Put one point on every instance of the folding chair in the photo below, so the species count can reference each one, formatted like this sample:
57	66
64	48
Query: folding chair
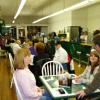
19	95
12	67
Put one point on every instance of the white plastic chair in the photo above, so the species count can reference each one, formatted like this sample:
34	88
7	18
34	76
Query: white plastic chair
11	62
12	67
52	68
19	95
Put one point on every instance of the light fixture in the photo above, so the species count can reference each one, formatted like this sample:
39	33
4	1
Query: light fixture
71	8
7	26
13	21
19	9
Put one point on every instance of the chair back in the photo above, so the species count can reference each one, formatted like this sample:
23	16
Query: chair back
19	95
11	62
38	69
41	62
52	68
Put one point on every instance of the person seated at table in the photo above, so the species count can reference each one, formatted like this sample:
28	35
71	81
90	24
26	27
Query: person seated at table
40	48
70	64
61	55
88	75
95	84
25	79
32	47
38	63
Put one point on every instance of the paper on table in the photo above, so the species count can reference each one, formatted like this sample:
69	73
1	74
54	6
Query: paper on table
74	82
97	90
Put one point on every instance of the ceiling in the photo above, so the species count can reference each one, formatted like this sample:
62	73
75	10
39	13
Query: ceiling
33	9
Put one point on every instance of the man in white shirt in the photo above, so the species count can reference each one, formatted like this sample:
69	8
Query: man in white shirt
61	55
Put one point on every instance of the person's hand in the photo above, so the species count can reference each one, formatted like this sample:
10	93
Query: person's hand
39	91
80	94
77	79
42	90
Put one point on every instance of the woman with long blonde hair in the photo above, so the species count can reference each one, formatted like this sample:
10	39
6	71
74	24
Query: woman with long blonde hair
25	79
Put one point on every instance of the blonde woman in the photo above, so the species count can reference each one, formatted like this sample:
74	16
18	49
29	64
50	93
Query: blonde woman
25	79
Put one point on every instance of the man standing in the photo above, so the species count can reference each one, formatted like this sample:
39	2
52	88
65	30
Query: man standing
95	84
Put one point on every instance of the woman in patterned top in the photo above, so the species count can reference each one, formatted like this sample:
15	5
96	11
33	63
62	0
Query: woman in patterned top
88	75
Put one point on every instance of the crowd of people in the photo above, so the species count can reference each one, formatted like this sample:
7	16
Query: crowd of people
95	83
28	75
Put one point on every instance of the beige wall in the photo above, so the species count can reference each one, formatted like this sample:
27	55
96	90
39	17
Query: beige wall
79	18
59	22
88	18
94	17
44	29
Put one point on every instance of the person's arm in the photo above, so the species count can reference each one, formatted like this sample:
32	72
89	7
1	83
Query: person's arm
85	72
82	78
28	87
94	84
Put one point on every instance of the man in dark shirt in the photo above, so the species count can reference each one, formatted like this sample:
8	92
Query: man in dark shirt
95	84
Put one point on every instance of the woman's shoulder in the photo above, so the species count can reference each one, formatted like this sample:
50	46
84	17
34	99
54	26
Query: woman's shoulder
98	67
20	71
88	67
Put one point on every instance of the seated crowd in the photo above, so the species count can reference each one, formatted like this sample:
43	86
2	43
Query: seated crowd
28	69
27	73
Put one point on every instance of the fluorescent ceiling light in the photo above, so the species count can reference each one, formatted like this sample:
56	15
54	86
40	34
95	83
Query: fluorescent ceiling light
13	21
71	8
20	8
7	26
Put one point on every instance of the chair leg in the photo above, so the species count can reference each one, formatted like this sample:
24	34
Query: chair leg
79	56
12	81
